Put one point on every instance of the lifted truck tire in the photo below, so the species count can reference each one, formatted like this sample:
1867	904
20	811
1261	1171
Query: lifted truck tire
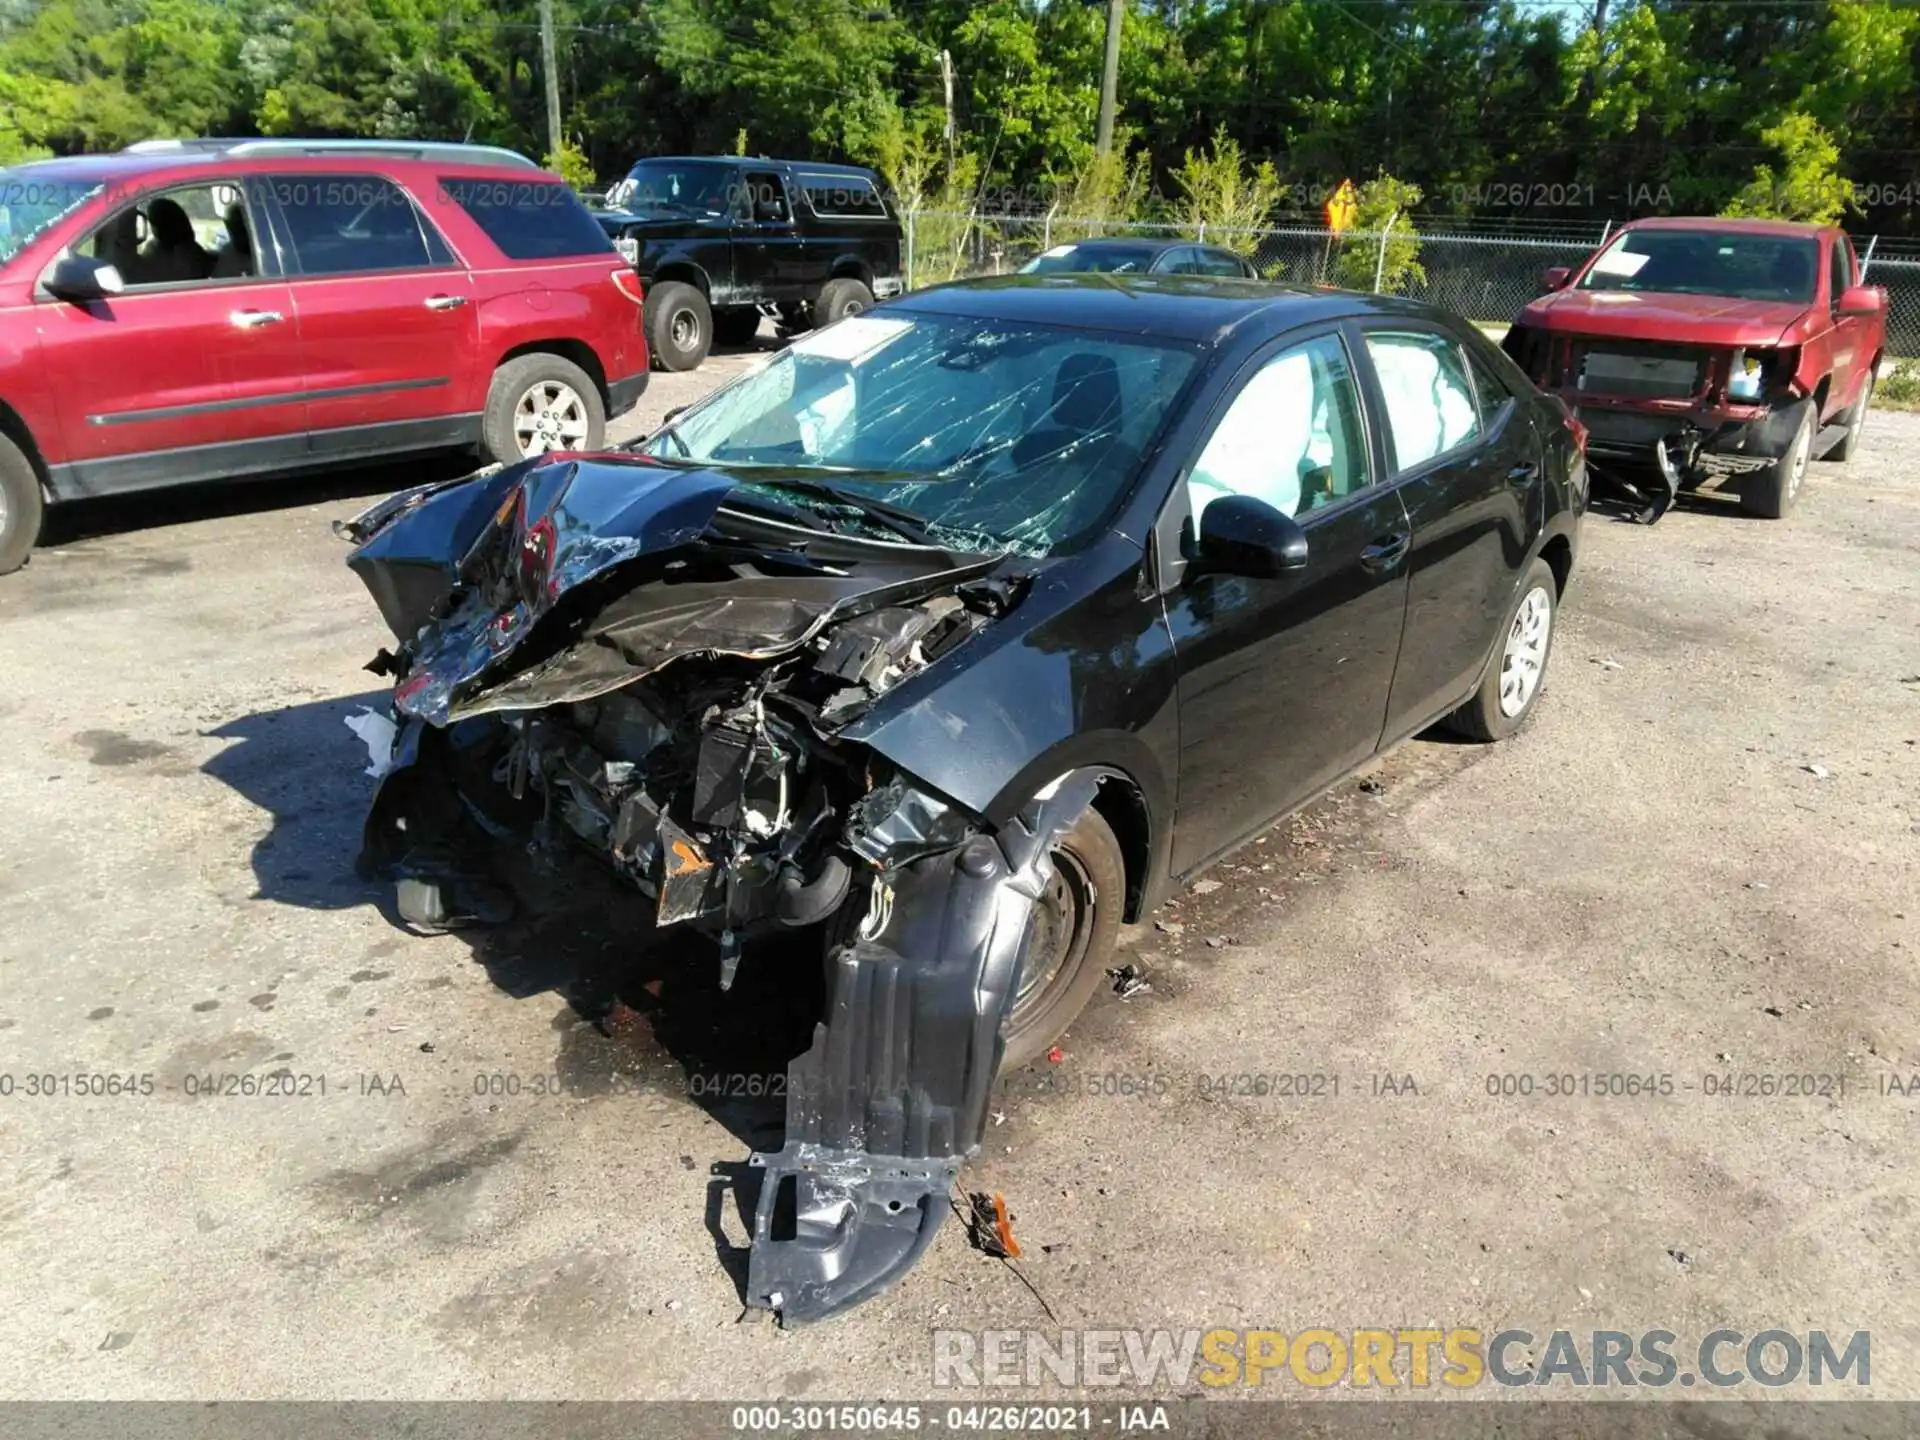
1856	422
1525	643
1770	493
840	298
736	325
20	507
532	379
679	325
1077	922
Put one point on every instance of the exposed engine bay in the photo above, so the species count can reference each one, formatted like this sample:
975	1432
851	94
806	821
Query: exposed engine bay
634	661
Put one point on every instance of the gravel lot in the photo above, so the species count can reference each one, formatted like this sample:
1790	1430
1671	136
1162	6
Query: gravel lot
1700	859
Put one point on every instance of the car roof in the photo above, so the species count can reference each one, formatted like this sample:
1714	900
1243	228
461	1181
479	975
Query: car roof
129	165
1197	308
822	167
1726	224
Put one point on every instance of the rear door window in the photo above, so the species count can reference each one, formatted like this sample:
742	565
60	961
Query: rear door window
1429	399
348	224
529	219
1218	262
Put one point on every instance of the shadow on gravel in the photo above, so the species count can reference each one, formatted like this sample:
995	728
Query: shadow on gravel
643	1009
217	499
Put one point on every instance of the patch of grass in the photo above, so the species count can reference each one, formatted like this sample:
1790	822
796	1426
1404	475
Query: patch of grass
1899	388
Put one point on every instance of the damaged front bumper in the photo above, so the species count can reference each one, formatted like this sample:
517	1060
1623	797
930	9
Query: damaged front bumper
892	1095
1676	446
609	662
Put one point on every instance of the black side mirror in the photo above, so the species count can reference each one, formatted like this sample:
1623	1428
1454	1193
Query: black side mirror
1240	535
82	278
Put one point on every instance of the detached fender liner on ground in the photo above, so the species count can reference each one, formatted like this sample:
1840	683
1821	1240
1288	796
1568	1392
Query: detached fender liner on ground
892	1095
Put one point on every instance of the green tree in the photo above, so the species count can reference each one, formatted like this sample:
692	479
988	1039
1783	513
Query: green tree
1222	196
1386	208
1808	186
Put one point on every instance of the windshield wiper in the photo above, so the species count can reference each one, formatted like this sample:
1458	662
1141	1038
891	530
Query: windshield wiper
897	518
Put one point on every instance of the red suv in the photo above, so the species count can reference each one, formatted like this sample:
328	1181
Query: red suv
1716	353
191	310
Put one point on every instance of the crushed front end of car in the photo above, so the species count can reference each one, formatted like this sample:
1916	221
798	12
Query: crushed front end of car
625	657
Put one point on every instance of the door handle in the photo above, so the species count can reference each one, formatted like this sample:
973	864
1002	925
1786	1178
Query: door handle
254	319
1386	552
445	302
1523	473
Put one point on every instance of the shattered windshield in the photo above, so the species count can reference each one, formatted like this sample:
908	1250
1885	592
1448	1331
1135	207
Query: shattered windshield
29	203
1703	262
994	434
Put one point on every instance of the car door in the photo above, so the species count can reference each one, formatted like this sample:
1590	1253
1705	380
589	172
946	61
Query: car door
1849	337
193	370
388	328
1470	474
768	251
1283	682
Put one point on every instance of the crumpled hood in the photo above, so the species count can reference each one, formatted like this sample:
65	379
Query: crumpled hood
464	571
1673	319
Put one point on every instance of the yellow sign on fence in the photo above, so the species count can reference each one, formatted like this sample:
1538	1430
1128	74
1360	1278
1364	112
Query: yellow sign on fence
1343	207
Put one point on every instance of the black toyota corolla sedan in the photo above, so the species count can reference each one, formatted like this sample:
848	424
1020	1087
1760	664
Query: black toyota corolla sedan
960	632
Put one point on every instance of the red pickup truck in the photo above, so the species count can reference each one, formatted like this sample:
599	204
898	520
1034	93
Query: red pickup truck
194	310
1710	354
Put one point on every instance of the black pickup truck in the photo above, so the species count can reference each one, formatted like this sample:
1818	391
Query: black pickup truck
720	240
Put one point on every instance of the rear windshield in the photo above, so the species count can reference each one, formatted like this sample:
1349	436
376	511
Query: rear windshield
1069	259
529	219
1706	262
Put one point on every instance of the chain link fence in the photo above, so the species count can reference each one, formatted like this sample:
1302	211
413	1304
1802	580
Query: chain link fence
1486	277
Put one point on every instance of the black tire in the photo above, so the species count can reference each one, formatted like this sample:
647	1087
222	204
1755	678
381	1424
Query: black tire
20	509
1485	716
679	326
525	381
736	325
1770	493
1079	919
1856	422
840	298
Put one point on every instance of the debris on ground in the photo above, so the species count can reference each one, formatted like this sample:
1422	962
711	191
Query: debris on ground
1606	662
988	1228
1205	887
1214	942
1681	1258
1373	786
1056	1055
377	733
1817	770
1129	980
1170	927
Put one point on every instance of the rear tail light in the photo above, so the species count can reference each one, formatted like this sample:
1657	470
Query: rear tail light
628	284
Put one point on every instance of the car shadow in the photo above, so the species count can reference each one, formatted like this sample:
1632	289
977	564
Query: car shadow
642	1007
75	520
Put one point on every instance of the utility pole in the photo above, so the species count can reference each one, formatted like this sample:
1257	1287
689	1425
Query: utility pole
946	79
1109	78
548	64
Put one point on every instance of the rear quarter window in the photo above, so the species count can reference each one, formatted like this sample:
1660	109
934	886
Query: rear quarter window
842	197
529	219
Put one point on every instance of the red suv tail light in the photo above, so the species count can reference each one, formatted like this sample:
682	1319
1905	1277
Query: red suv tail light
628	284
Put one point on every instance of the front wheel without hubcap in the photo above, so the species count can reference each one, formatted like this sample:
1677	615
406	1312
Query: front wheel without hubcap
1512	682
1070	940
1770	493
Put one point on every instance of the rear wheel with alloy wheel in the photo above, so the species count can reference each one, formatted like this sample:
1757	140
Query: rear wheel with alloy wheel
542	403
